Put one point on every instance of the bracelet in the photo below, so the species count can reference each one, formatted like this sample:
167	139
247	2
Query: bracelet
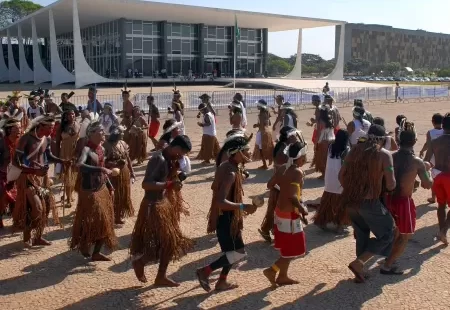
169	184
241	206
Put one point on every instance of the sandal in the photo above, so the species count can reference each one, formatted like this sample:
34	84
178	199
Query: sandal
391	272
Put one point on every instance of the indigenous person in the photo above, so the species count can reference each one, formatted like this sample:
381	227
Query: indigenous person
178	109
367	115
390	143
289	116
335	115
238	98
66	105
34	198
136	136
316	102
34	110
8	191
400	203
432	134
15	110
264	143
50	106
440	149
157	236
81	143
108	118
66	142
326	89
278	124
398	120
223	155
331	209
236	116
153	120
205	98
225	216
288	135
127	105
116	156
325	133
93	105
289	214
368	163
358	127
94	217
210	146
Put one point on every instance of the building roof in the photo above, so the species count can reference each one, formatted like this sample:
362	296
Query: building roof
94	12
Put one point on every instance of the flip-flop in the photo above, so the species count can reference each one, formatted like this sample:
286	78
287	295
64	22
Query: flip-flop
358	277
203	283
391	272
265	236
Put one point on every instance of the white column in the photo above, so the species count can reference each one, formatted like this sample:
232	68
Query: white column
14	74
84	74
4	73
41	73
59	73
26	75
296	72
338	71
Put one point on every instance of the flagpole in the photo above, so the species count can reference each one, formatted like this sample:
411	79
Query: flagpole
235	50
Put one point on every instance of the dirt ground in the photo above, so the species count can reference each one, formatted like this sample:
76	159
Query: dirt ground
56	278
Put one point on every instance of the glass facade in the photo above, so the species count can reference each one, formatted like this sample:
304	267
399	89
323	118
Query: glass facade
124	48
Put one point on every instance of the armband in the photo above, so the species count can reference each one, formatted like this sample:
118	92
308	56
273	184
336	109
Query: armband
241	207
390	168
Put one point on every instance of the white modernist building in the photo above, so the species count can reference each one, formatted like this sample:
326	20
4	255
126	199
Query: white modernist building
103	41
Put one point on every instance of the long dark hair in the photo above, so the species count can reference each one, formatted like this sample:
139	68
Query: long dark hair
325	116
282	140
236	142
340	144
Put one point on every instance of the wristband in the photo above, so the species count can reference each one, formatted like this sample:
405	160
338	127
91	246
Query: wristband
241	206
169	184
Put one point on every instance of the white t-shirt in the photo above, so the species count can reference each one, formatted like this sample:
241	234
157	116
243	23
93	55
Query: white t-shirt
182	128
332	184
107	121
211	129
34	112
360	130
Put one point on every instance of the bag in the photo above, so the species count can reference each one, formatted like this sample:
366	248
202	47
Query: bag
13	172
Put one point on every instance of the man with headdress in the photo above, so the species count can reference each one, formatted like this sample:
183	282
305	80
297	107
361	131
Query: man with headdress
238	98
34	110
66	142
367	115
205	98
335	115
287	136
264	143
153	120
108	118
365	169
157	236
177	109
30	168
94	217
289	213
15	110
93	105
407	167
440	148
225	217
359	126
136	136
236	115
278	124
11	133
288	114
66	105
210	146
127	106
117	156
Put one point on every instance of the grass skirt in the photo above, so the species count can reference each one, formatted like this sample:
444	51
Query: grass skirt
320	156
331	210
123	207
157	233
269	218
209	148
267	147
94	220
137	141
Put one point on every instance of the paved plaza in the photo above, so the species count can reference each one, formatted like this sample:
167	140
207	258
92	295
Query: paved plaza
56	278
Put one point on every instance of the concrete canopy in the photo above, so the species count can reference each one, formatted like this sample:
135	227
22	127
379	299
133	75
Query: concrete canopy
93	12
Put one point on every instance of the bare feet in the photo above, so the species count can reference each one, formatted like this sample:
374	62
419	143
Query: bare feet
223	285
286	281
41	241
99	257
166	282
358	270
431	200
138	267
270	274
442	238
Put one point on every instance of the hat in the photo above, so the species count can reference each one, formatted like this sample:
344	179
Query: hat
204	96
262	104
287	106
15	95
358	111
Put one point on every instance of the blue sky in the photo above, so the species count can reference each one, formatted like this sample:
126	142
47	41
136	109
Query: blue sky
431	15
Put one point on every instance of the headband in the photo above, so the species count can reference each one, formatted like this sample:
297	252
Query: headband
293	132
237	149
301	152
234	136
175	125
260	105
286	107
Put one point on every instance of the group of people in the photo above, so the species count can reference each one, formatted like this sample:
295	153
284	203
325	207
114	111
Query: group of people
94	157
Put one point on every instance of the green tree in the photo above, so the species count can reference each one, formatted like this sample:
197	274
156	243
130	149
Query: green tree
278	66
443	73
14	10
392	68
357	65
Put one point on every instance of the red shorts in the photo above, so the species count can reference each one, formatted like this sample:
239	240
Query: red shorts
153	129
403	211
441	187
289	235
55	130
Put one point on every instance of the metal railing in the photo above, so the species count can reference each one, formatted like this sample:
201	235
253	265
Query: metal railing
299	98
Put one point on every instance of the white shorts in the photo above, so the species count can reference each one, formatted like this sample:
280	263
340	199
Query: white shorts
258	140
